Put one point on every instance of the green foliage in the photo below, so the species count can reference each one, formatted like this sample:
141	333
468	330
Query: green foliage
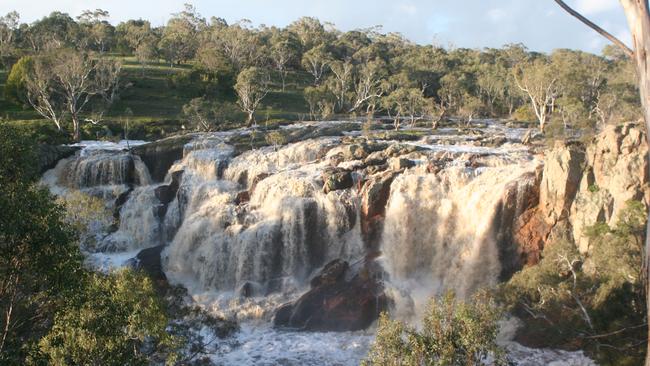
115	320
15	89
453	333
87	215
588	300
275	138
39	261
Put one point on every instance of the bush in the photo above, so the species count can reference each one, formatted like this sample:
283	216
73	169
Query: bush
453	333
201	114
116	320
525	113
15	89
592	301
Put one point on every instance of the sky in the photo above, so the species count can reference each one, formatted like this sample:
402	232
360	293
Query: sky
539	24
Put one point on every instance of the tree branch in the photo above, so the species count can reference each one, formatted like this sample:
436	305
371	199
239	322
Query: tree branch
628	51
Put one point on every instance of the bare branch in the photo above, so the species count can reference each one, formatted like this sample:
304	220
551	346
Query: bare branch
628	51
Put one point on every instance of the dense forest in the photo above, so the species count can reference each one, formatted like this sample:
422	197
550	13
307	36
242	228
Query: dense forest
65	79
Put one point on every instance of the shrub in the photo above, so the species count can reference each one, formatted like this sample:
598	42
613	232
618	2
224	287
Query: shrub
592	301
15	89
453	333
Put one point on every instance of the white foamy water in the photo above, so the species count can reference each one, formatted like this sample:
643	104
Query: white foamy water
262	220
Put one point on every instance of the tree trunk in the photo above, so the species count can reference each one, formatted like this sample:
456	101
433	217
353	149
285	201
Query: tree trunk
76	127
638	19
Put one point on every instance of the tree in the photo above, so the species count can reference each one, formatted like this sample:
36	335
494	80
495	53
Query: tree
65	82
539	81
251	87
315	62
96	29
40	263
8	27
638	16
321	101
369	85
453	333
204	115
116	320
15	89
341	82
179	41
408	102
284	50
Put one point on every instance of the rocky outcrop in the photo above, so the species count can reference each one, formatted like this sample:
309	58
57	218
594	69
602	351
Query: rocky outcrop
341	298
159	156
336	179
563	168
167	193
49	155
374	197
582	186
616	171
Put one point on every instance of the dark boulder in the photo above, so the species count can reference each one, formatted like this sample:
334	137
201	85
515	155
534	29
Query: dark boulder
160	155
374	197
148	260
49	155
341	298
167	193
336	179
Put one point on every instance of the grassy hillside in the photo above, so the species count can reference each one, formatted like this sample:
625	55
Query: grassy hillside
152	100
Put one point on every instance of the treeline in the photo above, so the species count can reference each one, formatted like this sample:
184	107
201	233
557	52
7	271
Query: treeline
359	72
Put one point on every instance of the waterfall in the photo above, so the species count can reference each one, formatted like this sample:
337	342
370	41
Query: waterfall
275	241
440	233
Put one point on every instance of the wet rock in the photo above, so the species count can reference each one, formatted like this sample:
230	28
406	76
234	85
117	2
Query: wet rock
167	193
341	298
160	155
148	260
400	163
374	197
336	179
49	155
395	150
242	197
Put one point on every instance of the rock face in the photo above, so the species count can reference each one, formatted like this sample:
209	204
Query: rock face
160	155
374	196
336	179
341	298
561	177
167	193
581	187
49	155
616	171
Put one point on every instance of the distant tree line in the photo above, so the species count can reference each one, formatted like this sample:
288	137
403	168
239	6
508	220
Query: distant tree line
359	72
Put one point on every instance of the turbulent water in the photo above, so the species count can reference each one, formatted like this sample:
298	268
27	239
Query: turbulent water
260	222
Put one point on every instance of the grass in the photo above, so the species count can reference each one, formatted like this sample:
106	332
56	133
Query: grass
153	98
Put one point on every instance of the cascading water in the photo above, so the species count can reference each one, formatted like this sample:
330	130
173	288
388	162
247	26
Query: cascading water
261	223
288	229
440	231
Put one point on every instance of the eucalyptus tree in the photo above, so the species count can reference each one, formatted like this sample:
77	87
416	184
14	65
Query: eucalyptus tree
638	16
64	83
285	48
370	85
538	80
8	28
251	87
179	40
340	82
315	62
96	29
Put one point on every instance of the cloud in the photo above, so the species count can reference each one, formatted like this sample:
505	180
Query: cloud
408	8
497	15
590	7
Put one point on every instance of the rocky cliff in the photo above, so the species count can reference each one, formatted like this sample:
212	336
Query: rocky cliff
582	185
